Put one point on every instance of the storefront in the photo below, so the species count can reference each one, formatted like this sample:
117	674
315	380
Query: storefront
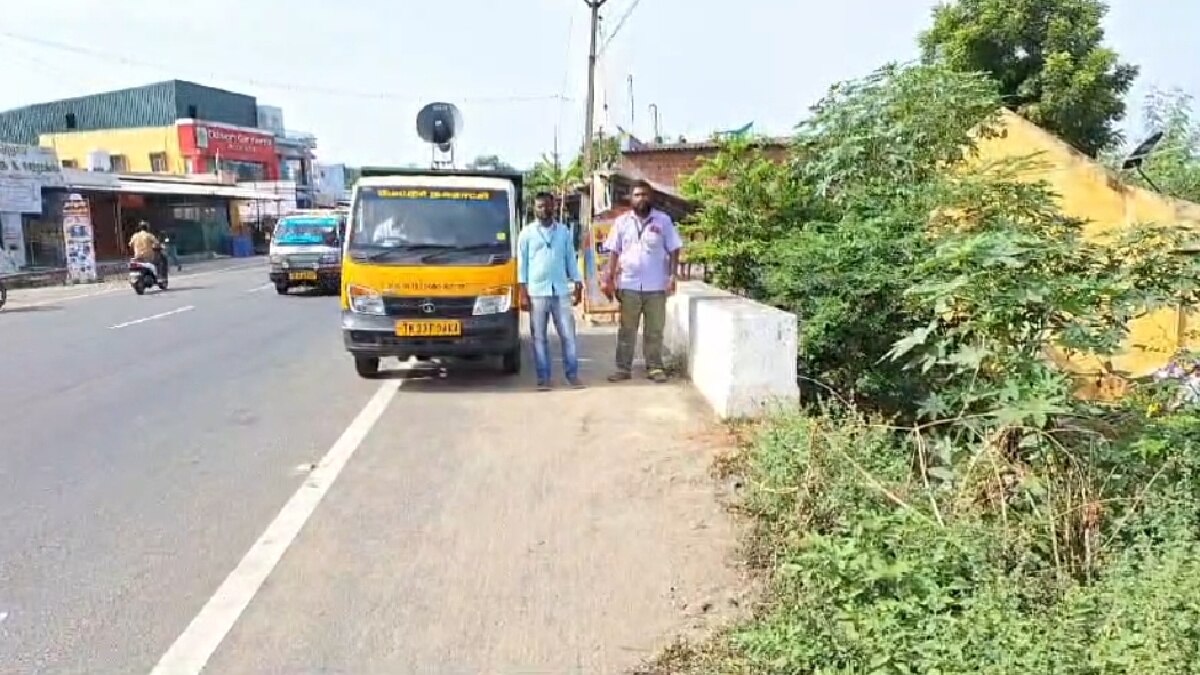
24	172
248	154
200	218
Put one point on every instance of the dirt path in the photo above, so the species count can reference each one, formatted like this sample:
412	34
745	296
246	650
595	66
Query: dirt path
487	528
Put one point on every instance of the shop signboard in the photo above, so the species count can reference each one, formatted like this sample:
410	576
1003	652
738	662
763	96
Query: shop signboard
227	142
24	171
79	239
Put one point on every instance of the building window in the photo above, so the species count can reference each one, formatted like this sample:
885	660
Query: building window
158	162
119	164
72	123
70	164
193	112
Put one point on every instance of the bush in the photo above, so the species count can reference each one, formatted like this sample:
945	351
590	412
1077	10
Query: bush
875	571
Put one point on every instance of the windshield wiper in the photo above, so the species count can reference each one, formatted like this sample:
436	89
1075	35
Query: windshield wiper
477	248
384	252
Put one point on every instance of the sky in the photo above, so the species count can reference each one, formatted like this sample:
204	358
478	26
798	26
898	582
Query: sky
355	72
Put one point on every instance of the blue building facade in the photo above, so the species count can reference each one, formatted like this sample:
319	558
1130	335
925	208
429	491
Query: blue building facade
152	105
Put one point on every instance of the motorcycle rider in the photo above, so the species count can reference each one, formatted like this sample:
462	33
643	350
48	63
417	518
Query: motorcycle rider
147	248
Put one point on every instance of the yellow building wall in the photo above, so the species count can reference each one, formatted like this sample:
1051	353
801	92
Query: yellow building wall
135	144
1090	192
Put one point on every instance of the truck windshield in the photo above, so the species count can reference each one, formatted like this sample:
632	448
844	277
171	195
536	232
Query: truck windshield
307	232
407	217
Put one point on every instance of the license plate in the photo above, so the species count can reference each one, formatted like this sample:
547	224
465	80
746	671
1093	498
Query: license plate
428	328
302	276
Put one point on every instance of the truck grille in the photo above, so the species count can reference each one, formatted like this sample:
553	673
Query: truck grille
307	260
415	307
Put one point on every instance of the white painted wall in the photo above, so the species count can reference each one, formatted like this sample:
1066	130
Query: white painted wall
739	354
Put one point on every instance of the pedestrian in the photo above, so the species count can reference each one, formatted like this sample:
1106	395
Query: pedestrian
550	286
644	248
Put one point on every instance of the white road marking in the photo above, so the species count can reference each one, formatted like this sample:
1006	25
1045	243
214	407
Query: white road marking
125	288
259	288
180	310
196	645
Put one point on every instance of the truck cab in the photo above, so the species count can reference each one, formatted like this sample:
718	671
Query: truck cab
429	267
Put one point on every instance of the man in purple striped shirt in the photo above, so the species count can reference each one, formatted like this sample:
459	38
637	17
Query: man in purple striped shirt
644	246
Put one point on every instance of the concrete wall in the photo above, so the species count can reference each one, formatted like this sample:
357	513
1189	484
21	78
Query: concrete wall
739	354
1089	191
135	144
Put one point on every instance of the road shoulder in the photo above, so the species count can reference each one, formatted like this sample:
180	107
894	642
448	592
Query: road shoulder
484	527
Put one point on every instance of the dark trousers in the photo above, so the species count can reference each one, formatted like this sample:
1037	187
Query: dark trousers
636	306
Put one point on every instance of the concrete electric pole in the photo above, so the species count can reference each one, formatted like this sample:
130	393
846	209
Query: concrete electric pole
586	202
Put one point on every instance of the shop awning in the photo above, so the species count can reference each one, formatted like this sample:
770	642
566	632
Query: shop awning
180	189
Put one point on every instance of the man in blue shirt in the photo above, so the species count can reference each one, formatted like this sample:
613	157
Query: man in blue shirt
548	274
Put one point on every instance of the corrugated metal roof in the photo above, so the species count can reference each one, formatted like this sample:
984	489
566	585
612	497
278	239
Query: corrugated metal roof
116	184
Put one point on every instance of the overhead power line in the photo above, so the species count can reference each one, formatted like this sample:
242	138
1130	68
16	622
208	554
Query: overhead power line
269	84
620	24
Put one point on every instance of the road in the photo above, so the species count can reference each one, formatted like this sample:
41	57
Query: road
196	481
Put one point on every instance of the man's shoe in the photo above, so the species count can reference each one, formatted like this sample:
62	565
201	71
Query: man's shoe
543	385
620	376
658	376
576	383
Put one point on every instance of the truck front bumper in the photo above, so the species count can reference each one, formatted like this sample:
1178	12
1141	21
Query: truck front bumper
486	335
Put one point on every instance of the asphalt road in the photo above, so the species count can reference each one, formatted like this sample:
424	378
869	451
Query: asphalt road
164	463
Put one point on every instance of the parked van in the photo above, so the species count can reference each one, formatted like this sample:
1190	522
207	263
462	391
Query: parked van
306	250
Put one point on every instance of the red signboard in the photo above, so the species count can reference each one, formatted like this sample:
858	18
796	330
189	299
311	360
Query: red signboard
229	143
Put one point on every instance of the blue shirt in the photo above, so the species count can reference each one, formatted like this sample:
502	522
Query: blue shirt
546	261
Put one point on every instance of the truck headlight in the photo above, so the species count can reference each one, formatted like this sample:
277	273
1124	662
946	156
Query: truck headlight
493	301
365	300
276	259
331	258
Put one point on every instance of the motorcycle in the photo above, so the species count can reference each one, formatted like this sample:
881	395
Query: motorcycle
143	275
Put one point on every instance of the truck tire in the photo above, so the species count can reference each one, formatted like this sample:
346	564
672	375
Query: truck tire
367	366
281	288
511	362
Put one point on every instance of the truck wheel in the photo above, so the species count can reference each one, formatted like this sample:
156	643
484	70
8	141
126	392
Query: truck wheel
366	366
281	288
511	362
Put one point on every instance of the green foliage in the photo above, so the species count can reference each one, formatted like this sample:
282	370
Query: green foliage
1048	58
980	519
1174	165
877	568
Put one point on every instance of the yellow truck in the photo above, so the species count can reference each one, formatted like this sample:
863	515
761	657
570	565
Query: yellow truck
429	267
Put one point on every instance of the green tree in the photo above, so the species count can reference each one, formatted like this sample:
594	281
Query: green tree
1174	165
554	177
1049	58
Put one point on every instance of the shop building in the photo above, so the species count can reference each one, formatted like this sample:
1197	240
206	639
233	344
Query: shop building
174	127
25	172
140	150
247	153
154	105
199	214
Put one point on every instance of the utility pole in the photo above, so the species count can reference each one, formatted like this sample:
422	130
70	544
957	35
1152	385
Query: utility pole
632	109
585	214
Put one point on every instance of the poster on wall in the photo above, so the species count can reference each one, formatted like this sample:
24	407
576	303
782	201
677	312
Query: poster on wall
595	268
79	240
12	238
20	195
